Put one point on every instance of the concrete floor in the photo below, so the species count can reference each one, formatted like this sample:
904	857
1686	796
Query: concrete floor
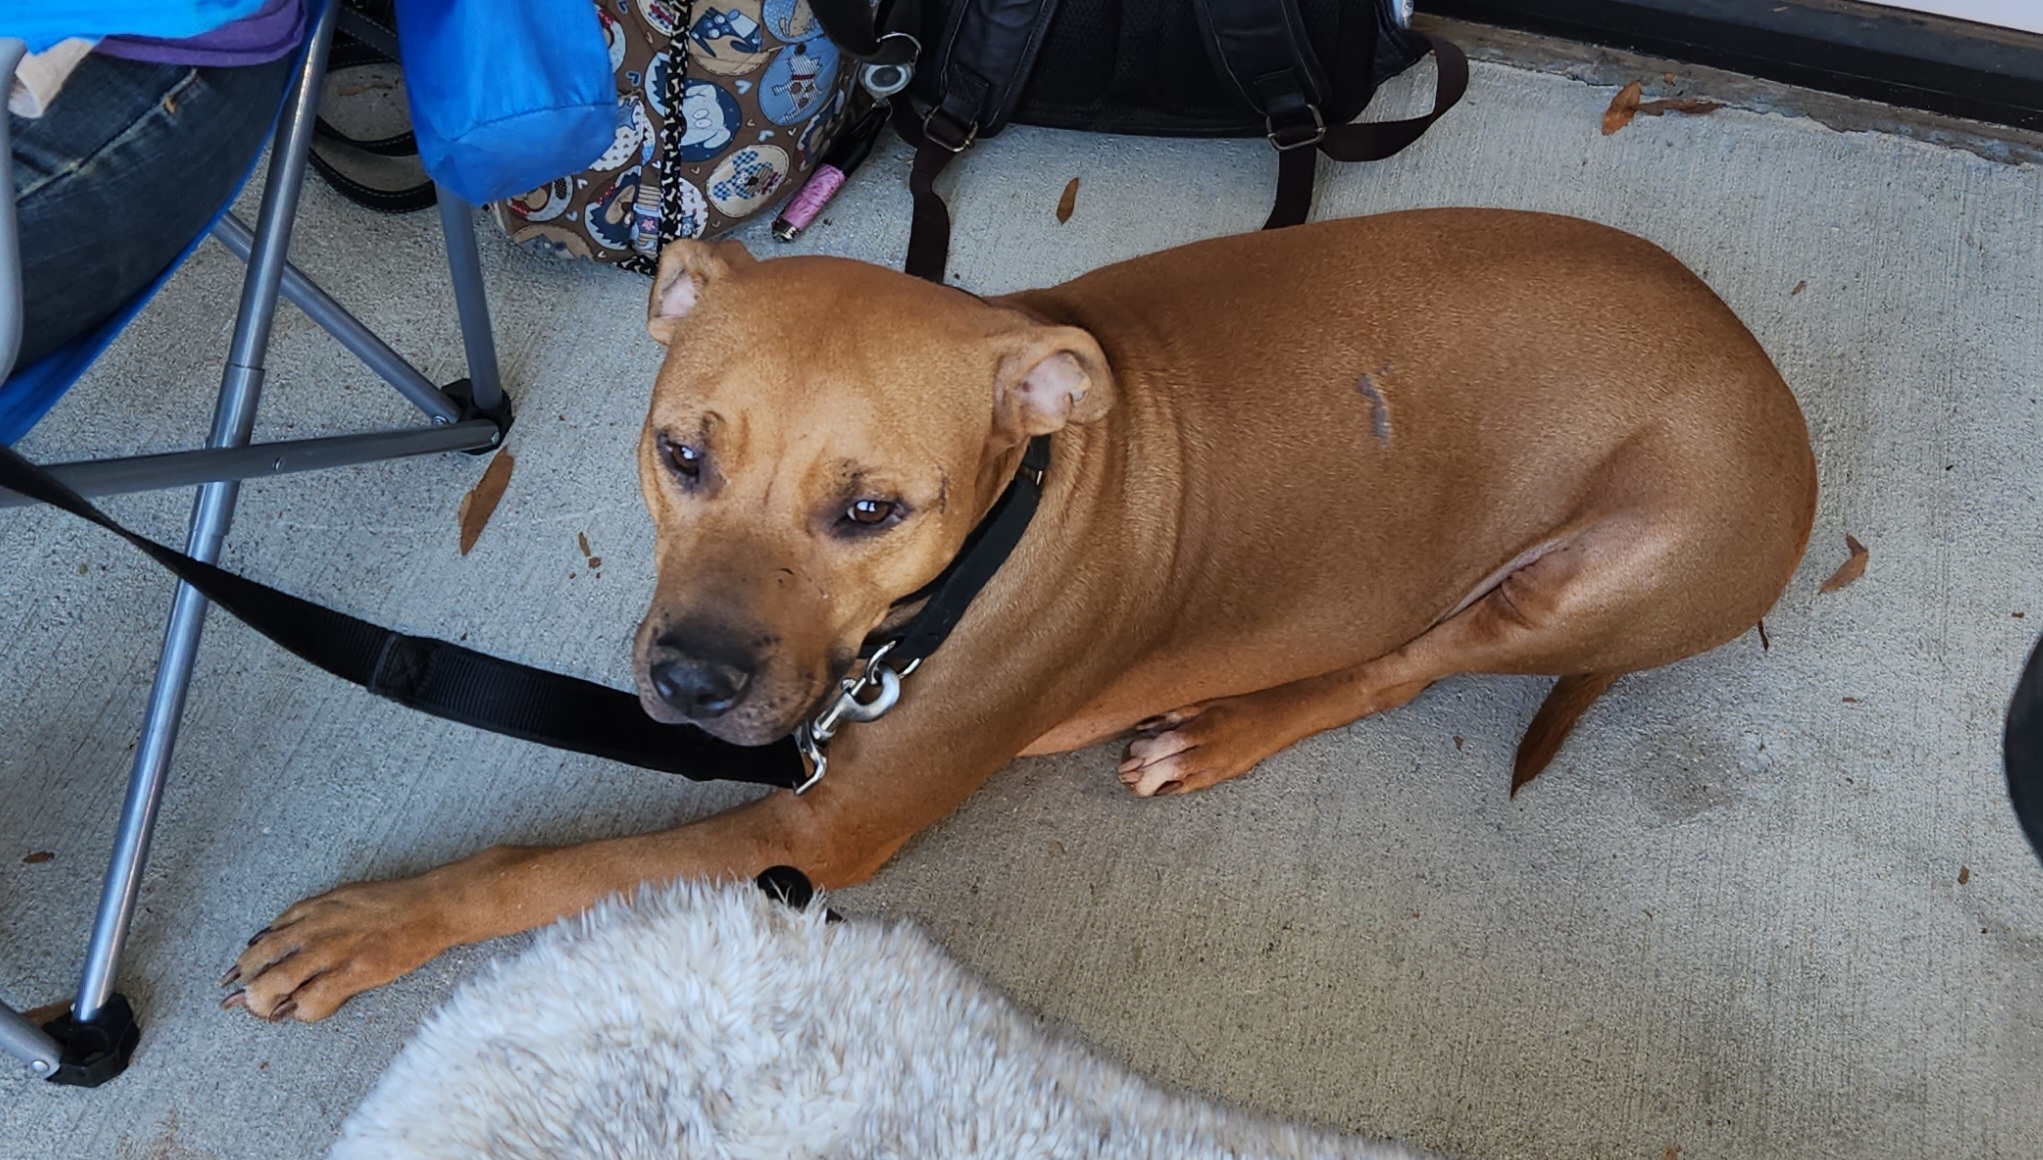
1767	903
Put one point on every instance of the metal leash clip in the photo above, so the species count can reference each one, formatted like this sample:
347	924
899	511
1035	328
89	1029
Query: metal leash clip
812	736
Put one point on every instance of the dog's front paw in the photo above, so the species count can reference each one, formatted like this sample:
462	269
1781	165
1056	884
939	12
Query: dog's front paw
1195	747
325	950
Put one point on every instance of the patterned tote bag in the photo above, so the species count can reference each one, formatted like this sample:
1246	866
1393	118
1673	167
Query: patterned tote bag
723	107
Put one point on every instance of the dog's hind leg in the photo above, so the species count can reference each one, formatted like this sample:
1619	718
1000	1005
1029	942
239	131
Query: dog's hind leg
1606	599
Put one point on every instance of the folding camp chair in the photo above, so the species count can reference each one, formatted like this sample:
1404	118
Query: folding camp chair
91	1043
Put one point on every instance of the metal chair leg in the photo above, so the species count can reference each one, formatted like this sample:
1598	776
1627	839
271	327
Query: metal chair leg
233	420
350	331
27	1042
457	221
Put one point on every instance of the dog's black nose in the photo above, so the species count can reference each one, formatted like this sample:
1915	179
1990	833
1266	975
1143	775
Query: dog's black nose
701	689
700	671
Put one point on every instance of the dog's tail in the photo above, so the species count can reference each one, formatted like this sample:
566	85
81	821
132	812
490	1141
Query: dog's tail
1550	726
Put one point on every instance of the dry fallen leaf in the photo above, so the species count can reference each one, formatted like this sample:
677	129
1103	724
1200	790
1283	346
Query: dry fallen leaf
1799	287
1850	701
1457	743
1853	567
1964	874
1673	1152
1068	202
1692	107
1623	107
480	503
582	539
38	858
1765	645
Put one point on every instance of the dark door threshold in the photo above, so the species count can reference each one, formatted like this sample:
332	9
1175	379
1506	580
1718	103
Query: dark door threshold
1953	67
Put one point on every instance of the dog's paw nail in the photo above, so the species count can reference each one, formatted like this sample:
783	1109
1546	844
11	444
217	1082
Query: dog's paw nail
1150	723
283	1010
257	936
232	976
237	1001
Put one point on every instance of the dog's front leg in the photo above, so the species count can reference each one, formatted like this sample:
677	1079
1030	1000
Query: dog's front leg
324	950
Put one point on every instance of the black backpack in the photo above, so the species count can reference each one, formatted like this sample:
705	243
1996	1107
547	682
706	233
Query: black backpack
1294	71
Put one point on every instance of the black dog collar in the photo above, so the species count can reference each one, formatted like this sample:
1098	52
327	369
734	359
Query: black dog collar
982	554
877	688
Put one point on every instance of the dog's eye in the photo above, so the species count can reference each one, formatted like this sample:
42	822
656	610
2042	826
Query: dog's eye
870	512
685	460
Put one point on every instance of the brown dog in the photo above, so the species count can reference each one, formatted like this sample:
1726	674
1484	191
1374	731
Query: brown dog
1296	478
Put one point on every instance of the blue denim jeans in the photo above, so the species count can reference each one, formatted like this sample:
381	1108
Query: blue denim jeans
116	179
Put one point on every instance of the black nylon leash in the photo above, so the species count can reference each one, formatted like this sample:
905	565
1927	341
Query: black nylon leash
459	684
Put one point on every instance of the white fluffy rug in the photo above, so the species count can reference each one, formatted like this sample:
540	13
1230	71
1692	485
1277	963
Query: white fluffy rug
713	1022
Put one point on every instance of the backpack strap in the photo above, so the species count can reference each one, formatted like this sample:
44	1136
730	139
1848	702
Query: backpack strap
1365	140
1262	46
988	50
982	63
1376	140
929	229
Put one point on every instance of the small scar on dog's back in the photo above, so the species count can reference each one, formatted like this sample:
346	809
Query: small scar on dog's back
1371	388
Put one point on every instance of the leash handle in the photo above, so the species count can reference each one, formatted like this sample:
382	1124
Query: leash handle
439	677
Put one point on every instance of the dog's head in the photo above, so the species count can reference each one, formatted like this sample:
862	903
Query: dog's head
823	436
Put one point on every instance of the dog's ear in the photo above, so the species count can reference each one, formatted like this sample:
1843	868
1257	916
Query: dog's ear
1052	376
687	268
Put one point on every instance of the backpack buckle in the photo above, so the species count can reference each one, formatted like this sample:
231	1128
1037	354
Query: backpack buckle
946	133
1295	135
